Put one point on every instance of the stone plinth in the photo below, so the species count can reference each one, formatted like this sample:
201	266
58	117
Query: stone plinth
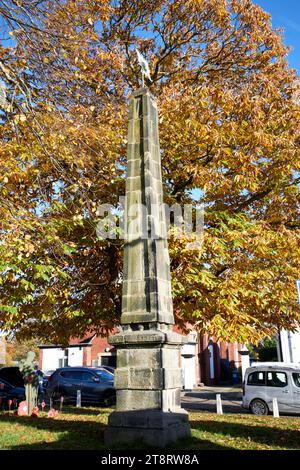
148	382
153	427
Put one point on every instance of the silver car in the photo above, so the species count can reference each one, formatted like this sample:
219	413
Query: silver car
265	381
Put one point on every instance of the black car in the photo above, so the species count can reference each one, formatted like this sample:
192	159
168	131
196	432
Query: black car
9	392
12	375
95	384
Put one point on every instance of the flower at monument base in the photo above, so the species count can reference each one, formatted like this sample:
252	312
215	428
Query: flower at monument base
35	412
22	409
52	413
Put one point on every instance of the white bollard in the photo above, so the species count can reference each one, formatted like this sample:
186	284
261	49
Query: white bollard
275	408
219	404
78	399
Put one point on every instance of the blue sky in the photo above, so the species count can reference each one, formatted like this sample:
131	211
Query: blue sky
286	15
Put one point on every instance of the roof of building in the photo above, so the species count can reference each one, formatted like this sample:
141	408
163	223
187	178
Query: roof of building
81	341
85	341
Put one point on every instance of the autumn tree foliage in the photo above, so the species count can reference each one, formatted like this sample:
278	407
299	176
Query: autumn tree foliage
17	351
229	127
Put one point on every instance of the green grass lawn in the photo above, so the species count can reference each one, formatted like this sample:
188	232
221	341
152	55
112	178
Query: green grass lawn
84	428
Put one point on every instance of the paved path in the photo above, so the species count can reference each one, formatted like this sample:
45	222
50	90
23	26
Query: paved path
204	399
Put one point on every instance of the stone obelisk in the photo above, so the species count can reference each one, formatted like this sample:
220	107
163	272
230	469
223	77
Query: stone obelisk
148	374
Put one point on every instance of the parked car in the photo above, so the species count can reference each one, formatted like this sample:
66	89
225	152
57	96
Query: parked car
266	381
9	392
46	375
109	368
95	384
12	375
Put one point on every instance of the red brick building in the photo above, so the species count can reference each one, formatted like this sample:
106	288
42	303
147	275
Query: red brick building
203	359
216	360
92	350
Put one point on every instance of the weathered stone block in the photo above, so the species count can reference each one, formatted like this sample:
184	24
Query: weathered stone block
153	428
134	162
116	339
161	420
141	316
172	378
141	337
166	317
139	378
134	184
135	303
146	106
154	419
142	357
170	358
171	400
138	400
146	128
134	287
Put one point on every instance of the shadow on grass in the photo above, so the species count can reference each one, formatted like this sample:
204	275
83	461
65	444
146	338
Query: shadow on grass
89	434
264	434
206	401
212	396
86	435
69	434
234	408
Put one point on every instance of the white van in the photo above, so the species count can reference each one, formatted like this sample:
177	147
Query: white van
265	381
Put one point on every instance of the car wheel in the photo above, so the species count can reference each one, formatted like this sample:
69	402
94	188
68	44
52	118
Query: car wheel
259	407
55	395
109	399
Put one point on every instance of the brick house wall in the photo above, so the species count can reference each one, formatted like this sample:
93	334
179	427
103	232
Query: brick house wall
212	363
216	369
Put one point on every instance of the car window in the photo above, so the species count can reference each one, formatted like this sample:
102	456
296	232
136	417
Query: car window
71	374
256	378
87	376
296	378
4	385
276	379
105	376
12	375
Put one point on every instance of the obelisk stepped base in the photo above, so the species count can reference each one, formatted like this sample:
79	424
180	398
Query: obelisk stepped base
148	383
